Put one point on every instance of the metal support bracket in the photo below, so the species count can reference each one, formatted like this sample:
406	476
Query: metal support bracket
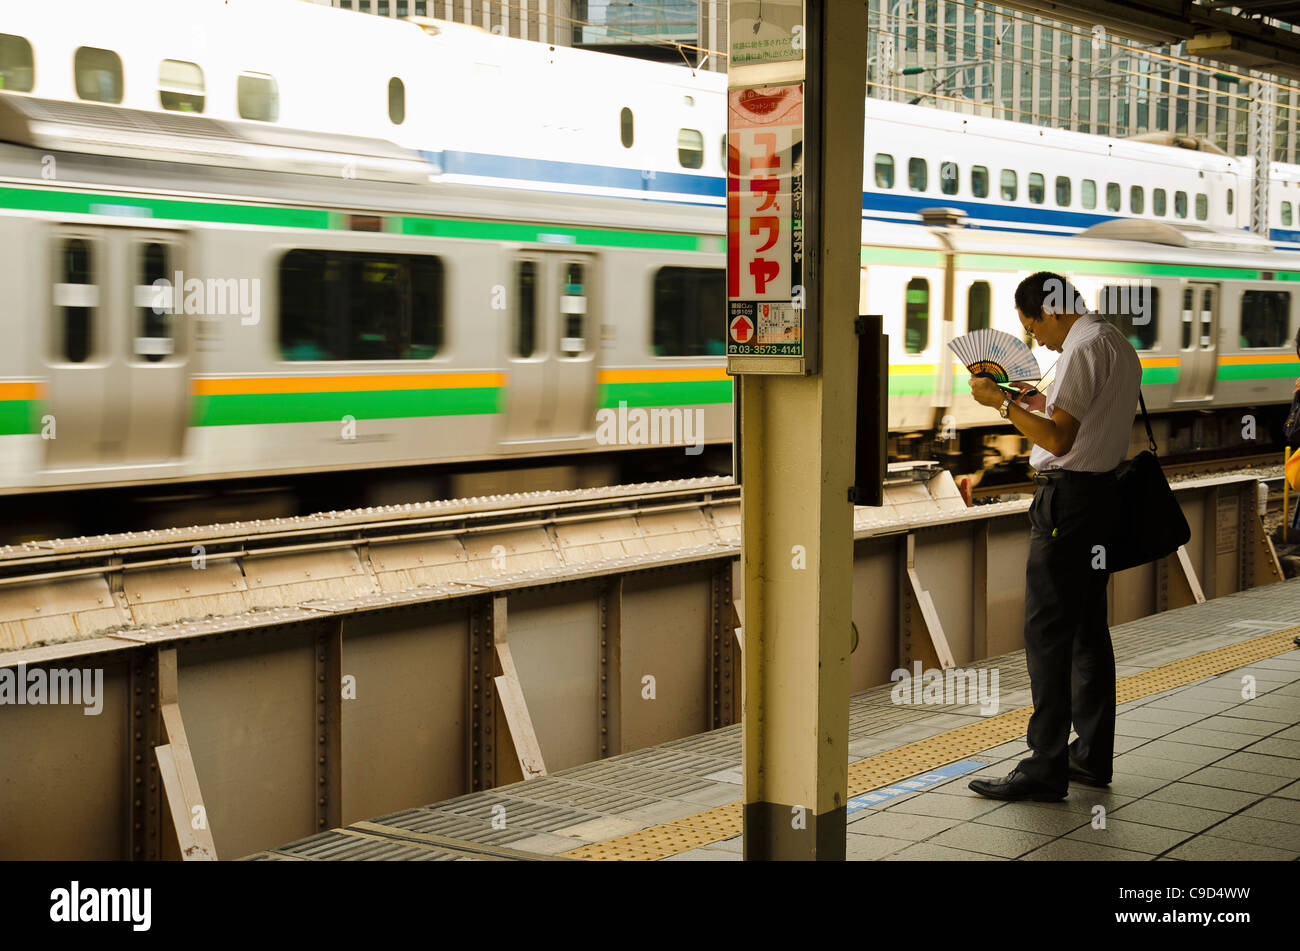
920	598
176	769
511	695
1189	575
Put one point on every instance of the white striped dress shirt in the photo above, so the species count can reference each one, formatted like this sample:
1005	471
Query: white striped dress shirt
1097	379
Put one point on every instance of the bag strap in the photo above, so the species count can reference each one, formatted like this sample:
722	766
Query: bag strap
1151	439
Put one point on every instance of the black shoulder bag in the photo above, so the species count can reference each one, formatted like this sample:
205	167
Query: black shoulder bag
1150	522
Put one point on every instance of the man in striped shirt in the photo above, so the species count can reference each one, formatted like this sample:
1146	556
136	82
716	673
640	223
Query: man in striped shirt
1079	439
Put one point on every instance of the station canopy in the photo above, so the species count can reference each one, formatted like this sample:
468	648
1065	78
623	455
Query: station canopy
1246	34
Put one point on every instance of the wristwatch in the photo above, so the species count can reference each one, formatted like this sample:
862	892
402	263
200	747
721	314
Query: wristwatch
1006	402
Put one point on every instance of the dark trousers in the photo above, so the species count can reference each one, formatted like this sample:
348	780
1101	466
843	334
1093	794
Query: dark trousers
1067	641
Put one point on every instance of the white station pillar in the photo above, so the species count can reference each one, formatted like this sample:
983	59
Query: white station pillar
797	81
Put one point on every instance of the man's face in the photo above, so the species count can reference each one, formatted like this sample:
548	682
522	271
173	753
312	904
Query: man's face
1047	330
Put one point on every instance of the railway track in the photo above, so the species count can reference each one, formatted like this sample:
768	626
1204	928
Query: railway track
67	557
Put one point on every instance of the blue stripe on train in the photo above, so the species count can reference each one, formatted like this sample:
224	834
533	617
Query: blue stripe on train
573	173
991	215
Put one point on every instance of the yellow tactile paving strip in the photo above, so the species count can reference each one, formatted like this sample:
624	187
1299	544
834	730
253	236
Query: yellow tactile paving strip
725	822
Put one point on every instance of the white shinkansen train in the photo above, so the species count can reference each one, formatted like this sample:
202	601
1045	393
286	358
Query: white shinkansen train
487	109
451	257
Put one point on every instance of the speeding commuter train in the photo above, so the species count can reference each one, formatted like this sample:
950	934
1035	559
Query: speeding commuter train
488	109
343	302
313	322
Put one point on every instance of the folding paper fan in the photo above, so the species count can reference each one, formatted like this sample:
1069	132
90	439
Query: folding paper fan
995	354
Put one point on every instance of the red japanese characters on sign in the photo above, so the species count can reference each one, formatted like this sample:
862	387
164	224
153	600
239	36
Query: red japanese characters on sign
765	226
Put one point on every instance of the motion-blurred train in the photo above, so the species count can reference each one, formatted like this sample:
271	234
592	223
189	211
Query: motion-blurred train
377	301
487	109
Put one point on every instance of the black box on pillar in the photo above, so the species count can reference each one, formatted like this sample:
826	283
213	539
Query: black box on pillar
873	412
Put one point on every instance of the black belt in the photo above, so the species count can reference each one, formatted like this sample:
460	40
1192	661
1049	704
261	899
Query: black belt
1072	475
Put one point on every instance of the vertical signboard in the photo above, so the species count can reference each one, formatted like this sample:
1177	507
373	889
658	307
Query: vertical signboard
765	222
767	317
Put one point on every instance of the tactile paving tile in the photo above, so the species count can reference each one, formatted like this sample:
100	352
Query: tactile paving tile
725	821
1199	666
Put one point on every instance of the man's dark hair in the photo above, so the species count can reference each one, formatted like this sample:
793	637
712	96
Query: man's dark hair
1051	289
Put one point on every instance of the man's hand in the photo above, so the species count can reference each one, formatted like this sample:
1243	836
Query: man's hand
1036	403
986	391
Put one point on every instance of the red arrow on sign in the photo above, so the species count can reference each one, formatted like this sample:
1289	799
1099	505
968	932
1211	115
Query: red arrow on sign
740	328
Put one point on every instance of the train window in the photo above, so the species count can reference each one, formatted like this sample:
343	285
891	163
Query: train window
1180	204
1286	213
1202	206
525	341
1158	202
690	148
180	86
1136	199
978	306
1187	319
725	166
627	131
1088	193
1037	188
979	181
259	97
396	101
1265	318
884	170
918	174
1009	185
98	74
1114	196
1207	318
916	319
1229	200
573	311
1064	191
687	302
17	70
360	305
76	296
1134	309
948	177
153	302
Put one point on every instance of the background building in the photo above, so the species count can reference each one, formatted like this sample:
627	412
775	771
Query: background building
951	54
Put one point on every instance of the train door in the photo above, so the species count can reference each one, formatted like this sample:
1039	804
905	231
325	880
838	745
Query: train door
551	358
1198	342
116	355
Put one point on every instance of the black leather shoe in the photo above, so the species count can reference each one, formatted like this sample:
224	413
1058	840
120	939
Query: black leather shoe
1080	775
1016	786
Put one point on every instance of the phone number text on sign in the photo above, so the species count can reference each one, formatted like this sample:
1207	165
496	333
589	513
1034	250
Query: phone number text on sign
765	222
